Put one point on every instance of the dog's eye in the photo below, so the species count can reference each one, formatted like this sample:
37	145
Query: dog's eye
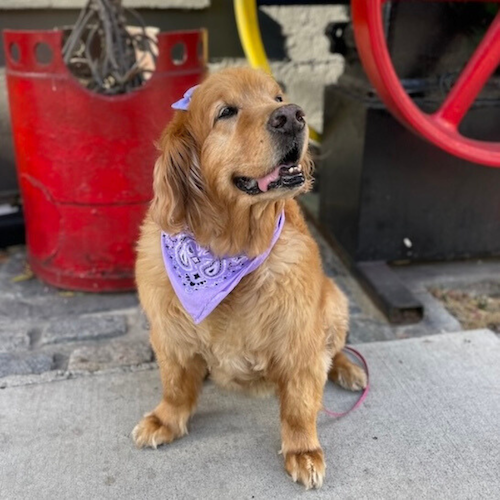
227	112
279	98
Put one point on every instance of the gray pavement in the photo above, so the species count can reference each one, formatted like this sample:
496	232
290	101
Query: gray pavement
77	372
428	430
51	333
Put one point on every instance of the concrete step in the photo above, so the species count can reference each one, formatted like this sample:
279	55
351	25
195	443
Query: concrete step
429	429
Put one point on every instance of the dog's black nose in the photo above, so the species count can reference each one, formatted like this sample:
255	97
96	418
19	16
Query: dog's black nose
288	119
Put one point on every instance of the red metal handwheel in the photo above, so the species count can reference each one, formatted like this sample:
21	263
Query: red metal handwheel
441	127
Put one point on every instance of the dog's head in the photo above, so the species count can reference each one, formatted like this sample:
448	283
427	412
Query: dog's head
238	144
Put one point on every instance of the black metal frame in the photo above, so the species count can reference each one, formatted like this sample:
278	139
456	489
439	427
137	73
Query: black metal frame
389	196
11	229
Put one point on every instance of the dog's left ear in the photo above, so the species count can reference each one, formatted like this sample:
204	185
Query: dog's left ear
179	194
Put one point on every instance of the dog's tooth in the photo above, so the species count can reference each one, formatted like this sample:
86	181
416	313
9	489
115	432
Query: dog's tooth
299	167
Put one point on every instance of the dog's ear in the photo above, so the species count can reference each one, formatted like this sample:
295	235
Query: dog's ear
177	182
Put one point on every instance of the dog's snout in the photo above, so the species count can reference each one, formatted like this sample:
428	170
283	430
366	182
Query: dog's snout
288	119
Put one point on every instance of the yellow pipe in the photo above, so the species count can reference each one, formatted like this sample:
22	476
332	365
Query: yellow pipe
245	12
247	22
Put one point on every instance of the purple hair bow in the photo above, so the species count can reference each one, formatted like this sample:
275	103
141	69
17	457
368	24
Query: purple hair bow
183	104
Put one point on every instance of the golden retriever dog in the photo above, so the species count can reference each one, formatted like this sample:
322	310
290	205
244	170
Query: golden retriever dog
230	165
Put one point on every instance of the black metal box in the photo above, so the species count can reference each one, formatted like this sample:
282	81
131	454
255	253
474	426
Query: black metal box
387	194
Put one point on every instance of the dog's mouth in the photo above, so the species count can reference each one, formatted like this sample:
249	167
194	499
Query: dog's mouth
287	174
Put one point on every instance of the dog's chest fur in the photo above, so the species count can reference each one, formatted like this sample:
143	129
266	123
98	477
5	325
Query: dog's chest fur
256	320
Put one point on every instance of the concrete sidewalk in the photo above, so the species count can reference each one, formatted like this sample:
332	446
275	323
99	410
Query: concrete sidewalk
429	429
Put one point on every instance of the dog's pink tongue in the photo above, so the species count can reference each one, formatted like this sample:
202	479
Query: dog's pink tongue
264	182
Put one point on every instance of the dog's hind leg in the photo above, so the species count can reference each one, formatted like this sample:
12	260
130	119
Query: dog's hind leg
336	313
347	374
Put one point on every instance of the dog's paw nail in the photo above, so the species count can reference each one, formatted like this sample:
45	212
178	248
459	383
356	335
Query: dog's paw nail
151	432
306	467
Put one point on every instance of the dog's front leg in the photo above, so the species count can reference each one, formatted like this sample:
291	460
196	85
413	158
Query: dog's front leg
300	394
182	380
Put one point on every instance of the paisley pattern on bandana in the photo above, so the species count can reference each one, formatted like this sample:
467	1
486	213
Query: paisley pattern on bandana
200	279
195	266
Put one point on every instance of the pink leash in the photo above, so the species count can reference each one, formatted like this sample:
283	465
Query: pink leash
359	402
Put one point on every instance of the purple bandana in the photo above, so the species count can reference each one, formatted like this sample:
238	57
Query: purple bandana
201	280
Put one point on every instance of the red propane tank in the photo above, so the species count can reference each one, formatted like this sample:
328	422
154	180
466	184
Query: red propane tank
85	160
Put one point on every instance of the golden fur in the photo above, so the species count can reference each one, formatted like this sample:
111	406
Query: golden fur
284	323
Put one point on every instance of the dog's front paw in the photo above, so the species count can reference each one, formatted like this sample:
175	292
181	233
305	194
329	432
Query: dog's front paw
307	467
151	432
